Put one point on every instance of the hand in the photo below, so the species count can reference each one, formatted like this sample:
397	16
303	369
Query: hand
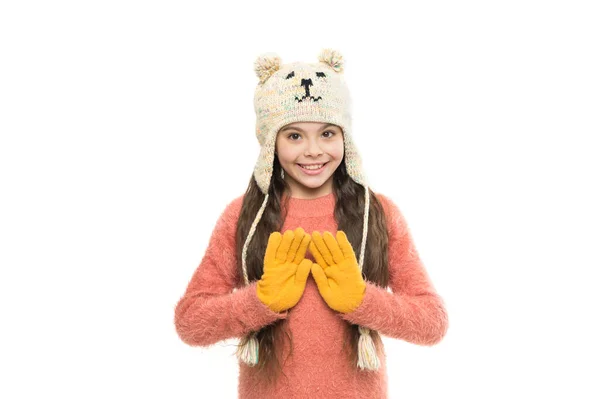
336	272
285	270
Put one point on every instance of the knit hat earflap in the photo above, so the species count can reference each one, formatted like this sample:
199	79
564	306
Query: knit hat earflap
304	92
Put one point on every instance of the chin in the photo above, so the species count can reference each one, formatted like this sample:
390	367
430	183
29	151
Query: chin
313	183
313	186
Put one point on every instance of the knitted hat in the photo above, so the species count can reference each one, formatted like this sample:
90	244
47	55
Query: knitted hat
303	92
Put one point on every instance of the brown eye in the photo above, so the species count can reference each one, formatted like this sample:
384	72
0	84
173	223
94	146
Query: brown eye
330	131
293	134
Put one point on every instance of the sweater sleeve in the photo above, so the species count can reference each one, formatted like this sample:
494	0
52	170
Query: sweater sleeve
210	309
413	312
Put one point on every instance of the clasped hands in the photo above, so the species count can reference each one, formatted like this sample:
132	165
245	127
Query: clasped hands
285	271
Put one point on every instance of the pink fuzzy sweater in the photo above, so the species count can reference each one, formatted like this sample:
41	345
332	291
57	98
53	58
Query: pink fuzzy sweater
211	310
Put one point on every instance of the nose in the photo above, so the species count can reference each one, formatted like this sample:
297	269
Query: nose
306	83
313	148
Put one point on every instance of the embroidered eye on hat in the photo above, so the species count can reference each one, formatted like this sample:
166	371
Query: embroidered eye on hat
303	92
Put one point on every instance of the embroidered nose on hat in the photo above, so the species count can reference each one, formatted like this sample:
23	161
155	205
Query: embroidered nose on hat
306	83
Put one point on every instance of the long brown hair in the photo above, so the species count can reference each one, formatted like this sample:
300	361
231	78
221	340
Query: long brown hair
349	216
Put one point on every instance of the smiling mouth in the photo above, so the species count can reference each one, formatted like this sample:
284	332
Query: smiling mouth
313	166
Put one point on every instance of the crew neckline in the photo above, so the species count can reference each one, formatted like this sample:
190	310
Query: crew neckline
319	206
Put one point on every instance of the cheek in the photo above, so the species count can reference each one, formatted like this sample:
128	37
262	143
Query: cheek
337	150
286	155
281	149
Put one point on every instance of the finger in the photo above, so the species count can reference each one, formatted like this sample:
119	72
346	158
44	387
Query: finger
272	245
322	247
284	247
334	248
318	257
301	253
345	245
303	271
298	235
320	279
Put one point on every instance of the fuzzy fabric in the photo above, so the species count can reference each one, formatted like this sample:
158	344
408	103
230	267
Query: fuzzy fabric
212	309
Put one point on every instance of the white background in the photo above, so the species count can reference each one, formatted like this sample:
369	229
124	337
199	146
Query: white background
126	127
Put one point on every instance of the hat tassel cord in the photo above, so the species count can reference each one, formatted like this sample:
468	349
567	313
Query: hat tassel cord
248	353
367	354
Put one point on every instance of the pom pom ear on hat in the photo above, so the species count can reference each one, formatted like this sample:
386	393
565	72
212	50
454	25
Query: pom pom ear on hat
266	65
333	58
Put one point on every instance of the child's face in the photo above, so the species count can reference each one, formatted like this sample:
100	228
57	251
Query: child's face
302	143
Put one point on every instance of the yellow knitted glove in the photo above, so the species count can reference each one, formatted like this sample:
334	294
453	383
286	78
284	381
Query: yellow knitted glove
336	272
285	270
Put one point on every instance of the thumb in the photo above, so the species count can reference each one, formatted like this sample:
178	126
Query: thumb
320	278
303	271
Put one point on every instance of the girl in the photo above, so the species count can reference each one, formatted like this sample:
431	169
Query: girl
281	271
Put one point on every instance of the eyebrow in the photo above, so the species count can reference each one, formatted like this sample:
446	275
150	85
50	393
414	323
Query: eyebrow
297	128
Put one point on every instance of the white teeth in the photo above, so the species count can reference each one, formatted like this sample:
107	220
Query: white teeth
312	167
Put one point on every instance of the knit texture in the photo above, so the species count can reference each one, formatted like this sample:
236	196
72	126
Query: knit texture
212	309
